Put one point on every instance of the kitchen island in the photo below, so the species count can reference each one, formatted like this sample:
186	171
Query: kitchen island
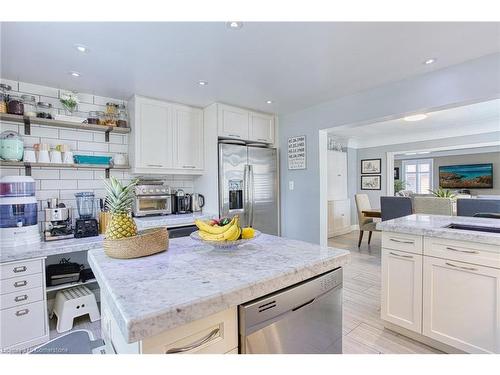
441	281
150	303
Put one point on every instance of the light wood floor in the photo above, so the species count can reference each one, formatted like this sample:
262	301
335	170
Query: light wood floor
364	332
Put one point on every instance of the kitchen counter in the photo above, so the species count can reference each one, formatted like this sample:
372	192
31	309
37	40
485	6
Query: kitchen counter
149	295
435	226
72	245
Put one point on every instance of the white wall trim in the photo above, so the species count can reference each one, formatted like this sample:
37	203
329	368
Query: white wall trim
323	187
389	158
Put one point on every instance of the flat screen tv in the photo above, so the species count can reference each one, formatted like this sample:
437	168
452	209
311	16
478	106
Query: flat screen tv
470	176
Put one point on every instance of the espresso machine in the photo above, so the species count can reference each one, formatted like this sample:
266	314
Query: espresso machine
86	225
57	221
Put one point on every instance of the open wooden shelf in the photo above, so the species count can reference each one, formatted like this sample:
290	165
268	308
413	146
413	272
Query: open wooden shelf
28	166
62	124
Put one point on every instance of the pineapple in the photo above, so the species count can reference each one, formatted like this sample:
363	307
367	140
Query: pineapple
119	201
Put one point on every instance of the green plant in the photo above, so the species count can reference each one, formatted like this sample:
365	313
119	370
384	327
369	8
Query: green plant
69	101
399	185
442	193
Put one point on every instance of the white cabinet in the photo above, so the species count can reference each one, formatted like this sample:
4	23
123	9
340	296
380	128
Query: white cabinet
337	175
23	309
233	122
166	138
239	123
261	127
339	217
461	305
401	301
188	138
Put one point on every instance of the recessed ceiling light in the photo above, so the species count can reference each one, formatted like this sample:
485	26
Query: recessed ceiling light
430	61
202	83
419	117
81	48
75	74
234	25
269	102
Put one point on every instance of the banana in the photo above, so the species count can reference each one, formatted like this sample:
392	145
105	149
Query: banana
231	234
204	227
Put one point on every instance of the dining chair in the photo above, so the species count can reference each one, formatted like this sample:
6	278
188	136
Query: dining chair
473	206
365	223
433	206
394	207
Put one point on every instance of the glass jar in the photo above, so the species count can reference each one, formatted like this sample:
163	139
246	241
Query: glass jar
44	110
94	117
11	146
122	121
29	105
15	105
4	97
111	114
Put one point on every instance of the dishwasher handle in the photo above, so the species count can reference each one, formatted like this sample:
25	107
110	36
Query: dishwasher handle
304	305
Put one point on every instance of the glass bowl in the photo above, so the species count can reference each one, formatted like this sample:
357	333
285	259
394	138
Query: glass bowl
224	244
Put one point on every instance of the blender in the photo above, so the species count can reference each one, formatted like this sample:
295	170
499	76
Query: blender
86	224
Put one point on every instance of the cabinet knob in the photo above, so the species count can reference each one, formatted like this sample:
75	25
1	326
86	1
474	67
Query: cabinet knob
234	135
19	269
22	312
18	284
155	165
188	166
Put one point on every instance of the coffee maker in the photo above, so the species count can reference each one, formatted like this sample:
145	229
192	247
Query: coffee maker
86	225
182	202
57	221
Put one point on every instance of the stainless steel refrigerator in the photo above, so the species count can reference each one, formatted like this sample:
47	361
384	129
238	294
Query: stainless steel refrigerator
248	185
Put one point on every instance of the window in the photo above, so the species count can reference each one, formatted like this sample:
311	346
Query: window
418	175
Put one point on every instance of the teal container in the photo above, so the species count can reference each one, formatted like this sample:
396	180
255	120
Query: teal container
11	146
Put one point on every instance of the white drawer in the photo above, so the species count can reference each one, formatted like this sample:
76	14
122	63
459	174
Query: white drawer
22	323
403	242
17	284
29	267
216	334
19	298
462	251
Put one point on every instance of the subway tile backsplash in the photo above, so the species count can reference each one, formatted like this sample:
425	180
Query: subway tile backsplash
64	183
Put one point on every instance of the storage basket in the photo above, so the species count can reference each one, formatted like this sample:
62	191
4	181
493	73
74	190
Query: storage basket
147	242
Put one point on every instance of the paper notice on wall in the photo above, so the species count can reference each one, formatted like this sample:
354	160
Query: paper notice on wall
297	152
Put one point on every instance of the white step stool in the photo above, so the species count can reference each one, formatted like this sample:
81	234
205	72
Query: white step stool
74	302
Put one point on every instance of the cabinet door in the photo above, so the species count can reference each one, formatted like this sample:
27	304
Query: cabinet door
462	305
188	138
232	122
341	215
261	127
402	289
154	132
331	219
337	175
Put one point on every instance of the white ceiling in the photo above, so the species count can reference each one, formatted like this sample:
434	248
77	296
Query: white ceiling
472	119
294	64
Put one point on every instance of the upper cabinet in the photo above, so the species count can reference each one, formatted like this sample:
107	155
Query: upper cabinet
238	123
166	138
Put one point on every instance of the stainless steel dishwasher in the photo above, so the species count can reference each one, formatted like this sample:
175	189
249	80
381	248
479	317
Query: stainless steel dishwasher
303	318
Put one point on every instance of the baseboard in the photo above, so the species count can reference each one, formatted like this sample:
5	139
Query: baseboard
355	227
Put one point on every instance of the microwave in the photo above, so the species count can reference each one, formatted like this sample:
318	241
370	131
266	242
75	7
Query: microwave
152	199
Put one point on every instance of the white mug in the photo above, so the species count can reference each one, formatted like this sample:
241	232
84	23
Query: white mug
29	156
120	159
55	157
43	156
68	157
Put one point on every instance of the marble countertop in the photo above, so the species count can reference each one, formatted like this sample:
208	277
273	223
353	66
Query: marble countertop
191	280
44	249
435	226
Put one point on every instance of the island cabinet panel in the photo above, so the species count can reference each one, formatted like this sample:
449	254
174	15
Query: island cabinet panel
461	305
401	302
403	242
469	252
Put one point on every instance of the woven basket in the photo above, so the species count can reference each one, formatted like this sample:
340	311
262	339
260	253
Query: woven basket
147	242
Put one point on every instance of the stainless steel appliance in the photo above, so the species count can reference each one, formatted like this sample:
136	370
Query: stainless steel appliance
57	221
152	198
248	185
304	318
197	202
86	225
182	202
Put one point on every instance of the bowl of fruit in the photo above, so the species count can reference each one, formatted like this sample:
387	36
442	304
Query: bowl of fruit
223	233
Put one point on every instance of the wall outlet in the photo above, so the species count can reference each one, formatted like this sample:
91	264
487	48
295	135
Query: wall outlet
291	185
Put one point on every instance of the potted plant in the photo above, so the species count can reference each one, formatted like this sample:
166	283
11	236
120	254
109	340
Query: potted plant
69	100
399	185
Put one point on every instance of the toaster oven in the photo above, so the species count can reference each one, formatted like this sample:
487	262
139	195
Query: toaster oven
152	199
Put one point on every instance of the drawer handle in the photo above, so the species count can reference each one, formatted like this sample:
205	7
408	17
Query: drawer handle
262	139
234	135
22	312
18	284
24	297
155	165
401	256
195	344
188	166
19	269
463	268
463	251
399	241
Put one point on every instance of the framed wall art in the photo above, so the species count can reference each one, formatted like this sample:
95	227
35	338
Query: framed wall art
371	166
370	182
297	152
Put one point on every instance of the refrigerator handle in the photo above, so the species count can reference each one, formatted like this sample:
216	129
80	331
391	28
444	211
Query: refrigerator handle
246	191
251	189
